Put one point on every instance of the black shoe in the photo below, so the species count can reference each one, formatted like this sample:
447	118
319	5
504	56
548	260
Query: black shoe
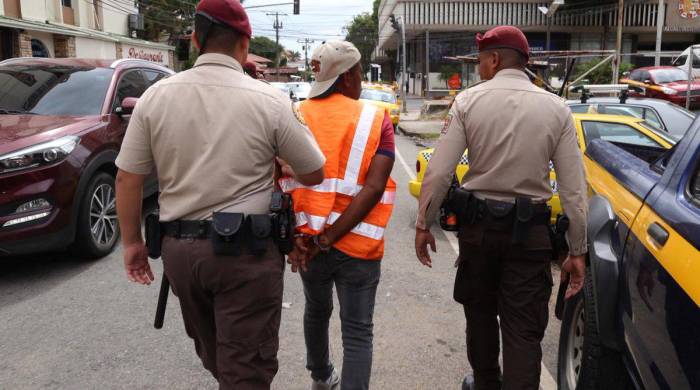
468	383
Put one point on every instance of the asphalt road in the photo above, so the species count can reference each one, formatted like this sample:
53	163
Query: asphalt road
67	324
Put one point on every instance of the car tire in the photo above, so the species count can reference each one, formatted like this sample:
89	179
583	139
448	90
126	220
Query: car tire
584	362
97	229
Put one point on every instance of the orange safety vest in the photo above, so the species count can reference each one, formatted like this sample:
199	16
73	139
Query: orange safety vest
348	133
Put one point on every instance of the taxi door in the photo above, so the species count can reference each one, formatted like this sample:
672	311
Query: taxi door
661	277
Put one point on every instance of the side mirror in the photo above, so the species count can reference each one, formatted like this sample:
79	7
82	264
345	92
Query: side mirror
127	106
626	74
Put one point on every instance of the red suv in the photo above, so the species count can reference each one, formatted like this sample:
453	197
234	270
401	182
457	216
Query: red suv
62	122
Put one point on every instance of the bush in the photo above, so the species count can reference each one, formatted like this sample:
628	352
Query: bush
602	75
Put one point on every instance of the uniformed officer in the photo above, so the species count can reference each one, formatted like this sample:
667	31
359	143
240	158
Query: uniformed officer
512	130
212	134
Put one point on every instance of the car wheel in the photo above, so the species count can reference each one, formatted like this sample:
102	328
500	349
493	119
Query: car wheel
98	230
584	363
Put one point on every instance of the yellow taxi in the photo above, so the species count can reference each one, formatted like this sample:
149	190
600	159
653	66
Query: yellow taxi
632	134
383	97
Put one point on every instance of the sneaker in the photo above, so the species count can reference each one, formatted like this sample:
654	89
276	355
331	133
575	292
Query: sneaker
329	384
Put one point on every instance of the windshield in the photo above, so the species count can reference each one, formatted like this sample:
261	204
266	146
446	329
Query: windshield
380	96
281	86
50	90
662	76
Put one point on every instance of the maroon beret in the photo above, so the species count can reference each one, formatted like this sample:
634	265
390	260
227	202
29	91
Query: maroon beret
504	37
227	12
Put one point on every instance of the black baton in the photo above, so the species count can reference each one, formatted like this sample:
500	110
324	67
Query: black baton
162	302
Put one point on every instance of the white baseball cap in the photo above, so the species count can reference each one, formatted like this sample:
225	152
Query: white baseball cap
330	60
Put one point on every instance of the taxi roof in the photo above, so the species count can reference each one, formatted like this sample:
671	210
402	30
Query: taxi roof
608	118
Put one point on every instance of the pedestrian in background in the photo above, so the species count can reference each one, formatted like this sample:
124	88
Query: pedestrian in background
341	221
212	134
512	130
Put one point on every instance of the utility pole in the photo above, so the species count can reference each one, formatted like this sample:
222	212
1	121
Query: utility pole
277	25
403	70
618	42
306	42
661	18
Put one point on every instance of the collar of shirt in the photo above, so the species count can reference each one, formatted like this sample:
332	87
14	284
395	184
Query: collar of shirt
218	59
511	73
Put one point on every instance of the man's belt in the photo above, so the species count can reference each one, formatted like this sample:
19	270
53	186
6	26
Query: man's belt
186	229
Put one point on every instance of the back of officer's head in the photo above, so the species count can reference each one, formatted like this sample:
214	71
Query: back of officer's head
503	47
222	26
336	67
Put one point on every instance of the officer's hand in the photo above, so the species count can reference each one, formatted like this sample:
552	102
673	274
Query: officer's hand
423	239
285	168
136	263
574	270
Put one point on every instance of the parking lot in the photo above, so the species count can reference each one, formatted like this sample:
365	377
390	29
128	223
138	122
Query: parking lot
75	325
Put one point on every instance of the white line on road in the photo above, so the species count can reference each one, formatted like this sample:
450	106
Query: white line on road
547	381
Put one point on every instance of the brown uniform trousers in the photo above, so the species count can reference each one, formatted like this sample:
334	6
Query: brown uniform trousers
498	281
231	307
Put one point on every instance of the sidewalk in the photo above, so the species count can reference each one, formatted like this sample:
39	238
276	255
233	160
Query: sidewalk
424	118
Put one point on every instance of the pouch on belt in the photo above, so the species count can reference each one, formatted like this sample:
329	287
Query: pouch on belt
227	233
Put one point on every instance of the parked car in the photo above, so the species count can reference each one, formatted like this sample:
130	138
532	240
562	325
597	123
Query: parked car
662	114
630	133
664	82
300	89
635	323
62	122
682	61
383	99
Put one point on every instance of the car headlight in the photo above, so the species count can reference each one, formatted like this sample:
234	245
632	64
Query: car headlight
42	154
395	111
668	91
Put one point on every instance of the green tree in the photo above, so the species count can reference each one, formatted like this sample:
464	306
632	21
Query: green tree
362	32
602	75
166	19
266	47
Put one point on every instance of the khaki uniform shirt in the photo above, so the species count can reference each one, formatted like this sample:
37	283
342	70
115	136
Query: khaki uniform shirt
512	130
212	133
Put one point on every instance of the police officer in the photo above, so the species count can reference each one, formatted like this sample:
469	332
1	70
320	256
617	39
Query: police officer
212	135
512	130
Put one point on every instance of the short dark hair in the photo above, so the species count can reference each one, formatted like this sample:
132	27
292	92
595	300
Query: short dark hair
212	35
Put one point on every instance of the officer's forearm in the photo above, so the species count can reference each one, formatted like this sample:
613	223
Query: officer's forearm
129	200
366	199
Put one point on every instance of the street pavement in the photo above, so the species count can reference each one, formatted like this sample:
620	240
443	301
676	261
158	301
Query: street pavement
68	324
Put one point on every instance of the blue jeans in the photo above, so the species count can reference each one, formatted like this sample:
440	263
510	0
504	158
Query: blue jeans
356	281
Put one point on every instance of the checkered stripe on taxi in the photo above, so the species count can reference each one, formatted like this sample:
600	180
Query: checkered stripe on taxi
462	161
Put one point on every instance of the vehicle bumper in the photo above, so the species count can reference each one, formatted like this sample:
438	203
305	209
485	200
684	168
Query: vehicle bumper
48	227
680	100
414	188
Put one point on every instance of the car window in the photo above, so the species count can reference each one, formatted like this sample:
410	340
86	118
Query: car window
694	189
582	108
53	90
153	77
652	118
132	84
636	75
617	133
632	111
377	95
662	76
646	76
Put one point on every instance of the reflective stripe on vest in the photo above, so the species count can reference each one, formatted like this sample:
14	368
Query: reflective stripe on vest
318	223
340	186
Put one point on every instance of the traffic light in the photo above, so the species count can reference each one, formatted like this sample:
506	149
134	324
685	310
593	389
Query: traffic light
296	7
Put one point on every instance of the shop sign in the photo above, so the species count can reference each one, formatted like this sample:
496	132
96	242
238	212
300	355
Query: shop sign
145	53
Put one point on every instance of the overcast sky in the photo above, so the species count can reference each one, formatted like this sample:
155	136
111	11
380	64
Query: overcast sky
319	20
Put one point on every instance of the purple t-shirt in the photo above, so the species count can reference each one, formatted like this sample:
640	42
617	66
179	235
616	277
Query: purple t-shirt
386	142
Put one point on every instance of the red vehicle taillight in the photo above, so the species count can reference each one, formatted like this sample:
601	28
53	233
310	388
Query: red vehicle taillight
417	166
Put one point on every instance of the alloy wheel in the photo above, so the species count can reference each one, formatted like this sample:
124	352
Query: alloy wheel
103	215
574	357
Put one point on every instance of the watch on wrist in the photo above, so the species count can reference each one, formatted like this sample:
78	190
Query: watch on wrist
321	241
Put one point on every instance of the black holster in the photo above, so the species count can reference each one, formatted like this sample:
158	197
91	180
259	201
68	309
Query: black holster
283	221
226	233
524	214
154	236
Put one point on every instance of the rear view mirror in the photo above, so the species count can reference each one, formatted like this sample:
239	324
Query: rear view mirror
127	106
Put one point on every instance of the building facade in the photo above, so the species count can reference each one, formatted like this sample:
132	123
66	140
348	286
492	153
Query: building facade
75	28
436	29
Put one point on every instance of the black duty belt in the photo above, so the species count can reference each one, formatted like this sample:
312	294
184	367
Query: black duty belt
501	215
186	229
